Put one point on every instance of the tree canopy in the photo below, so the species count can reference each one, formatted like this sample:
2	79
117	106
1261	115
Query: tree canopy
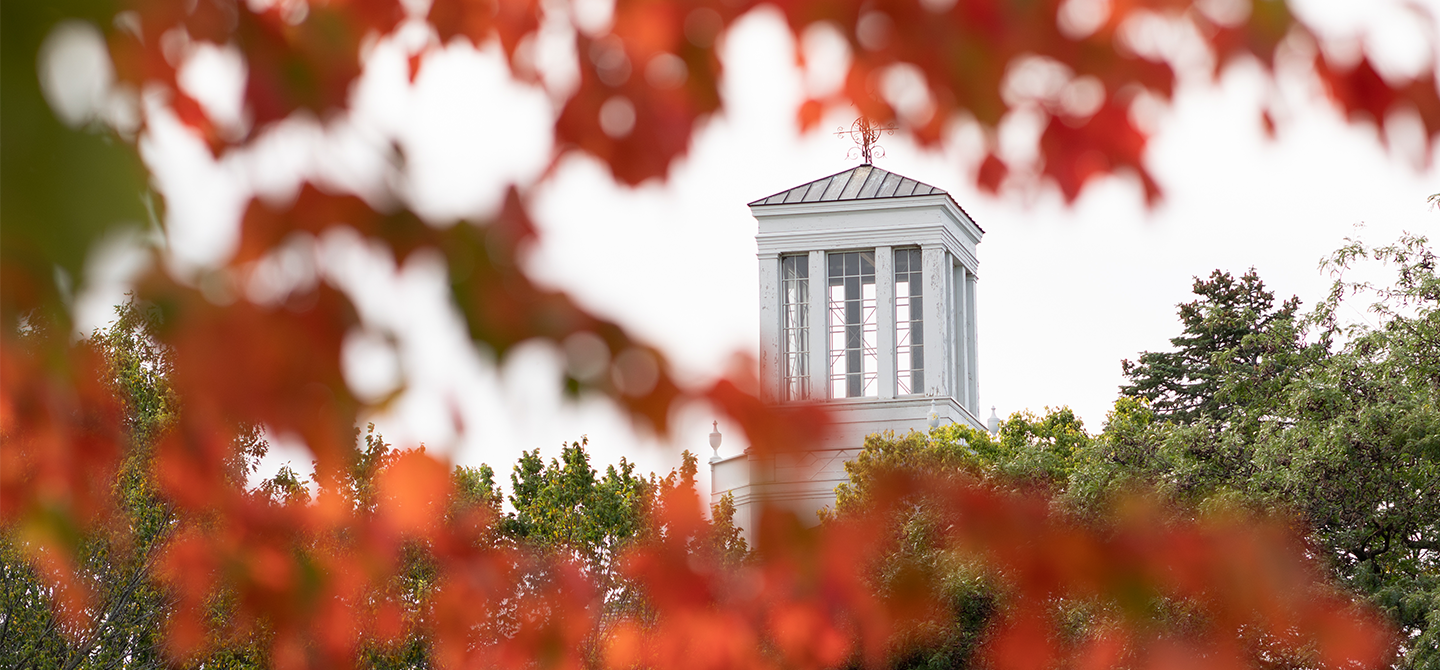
1236	351
1341	445
1344	436
561	513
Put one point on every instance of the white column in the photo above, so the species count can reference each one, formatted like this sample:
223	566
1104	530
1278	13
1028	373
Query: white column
960	366
936	269
972	337
948	345
819	328
770	359
885	320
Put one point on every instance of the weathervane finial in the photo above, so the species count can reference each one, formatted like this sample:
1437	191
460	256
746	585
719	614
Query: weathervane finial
864	133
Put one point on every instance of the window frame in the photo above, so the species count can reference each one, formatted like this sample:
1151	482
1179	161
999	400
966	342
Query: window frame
852	323
909	331
795	319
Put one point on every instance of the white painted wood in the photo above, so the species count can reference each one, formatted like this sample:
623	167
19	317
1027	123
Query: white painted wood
972	345
819	327
803	481
860	224
960	366
952	347
770	317
844	214
885	320
802	485
935	263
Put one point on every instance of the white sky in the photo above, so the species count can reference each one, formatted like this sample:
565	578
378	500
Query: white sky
1065	292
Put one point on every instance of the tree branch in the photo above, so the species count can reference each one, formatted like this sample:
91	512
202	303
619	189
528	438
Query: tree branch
1432	545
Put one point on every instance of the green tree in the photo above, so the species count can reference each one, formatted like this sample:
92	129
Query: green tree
567	506
1140	449
476	488
1036	450
1029	451
129	607
1357	452
914	554
1346	435
674	515
563	508
1236	350
725	541
1188	421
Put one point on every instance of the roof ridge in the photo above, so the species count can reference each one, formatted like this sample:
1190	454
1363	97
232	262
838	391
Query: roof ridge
877	182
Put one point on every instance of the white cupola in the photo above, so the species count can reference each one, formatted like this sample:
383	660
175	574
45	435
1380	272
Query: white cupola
867	299
867	304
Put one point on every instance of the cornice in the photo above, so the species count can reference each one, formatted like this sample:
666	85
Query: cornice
943	201
922	234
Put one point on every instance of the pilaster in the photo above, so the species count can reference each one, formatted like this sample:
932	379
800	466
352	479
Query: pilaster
958	317
972	336
936	268
885	320
770	359
819	327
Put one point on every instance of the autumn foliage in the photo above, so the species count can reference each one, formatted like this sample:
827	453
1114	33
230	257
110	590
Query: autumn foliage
316	581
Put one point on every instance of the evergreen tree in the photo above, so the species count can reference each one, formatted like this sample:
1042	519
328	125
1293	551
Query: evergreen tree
1345	436
1235	352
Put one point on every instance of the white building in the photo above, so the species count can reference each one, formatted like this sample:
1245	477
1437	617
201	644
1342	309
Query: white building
867	304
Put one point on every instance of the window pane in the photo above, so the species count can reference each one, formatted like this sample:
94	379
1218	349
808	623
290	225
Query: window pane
851	324
795	330
909	327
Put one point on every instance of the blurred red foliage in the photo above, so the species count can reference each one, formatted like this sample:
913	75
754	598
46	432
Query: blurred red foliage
317	576
63	434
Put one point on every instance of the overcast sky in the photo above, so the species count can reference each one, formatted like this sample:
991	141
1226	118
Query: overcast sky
1066	292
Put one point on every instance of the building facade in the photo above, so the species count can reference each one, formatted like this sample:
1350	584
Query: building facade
867	303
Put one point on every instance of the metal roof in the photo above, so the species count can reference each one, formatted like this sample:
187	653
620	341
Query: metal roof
862	182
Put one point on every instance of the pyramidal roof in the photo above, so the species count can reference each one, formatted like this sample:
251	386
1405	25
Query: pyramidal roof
861	182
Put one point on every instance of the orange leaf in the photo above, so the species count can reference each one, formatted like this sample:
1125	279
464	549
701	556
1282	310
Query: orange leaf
414	490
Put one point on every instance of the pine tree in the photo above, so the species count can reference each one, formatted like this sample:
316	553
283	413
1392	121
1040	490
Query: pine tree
1236	351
